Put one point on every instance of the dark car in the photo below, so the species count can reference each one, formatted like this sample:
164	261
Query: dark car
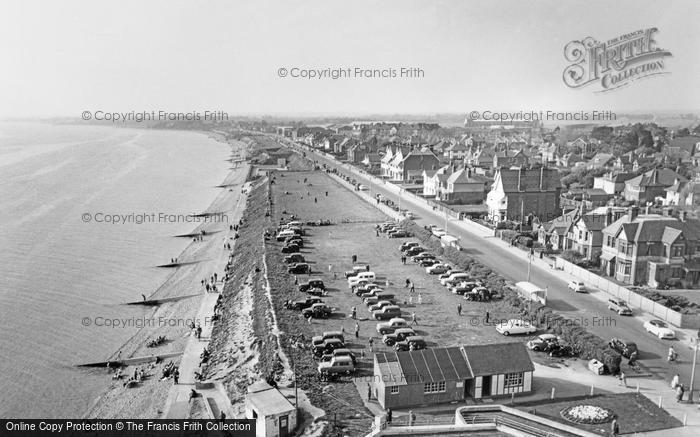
339	353
299	268
422	256
413	343
625	348
294	240
294	258
414	251
317	311
305	303
428	262
328	346
291	248
561	350
409	244
398	335
312	283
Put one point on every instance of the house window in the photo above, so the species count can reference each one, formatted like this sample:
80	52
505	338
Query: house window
394	389
434	387
677	251
513	380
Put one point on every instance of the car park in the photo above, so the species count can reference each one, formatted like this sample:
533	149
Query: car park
386	313
336	365
438	269
515	327
398	335
317	311
577	286
294	258
299	268
619	306
623	347
659	329
413	343
543	342
391	325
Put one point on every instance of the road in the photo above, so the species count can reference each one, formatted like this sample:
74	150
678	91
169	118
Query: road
587	309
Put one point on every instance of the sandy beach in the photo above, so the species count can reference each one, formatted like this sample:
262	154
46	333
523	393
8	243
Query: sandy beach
200	259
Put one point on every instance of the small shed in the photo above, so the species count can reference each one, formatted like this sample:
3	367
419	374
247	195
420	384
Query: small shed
274	414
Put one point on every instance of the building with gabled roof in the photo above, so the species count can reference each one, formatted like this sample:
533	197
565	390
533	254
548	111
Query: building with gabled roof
518	193
648	186
448	374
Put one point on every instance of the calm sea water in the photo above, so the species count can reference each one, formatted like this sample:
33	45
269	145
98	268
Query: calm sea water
56	269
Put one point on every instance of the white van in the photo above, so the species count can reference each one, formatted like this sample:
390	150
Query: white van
362	276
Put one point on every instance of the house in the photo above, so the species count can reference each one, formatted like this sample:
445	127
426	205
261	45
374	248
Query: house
585	145
451	374
409	168
652	249
373	162
612	183
434	181
587	197
600	160
650	185
517	193
548	152
456	151
463	186
585	235
391	150
274	415
481	156
510	159
553	234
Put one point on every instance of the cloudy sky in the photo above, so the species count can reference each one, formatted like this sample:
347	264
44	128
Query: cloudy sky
60	58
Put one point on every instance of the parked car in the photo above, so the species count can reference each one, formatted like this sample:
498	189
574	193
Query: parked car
413	343
317	311
294	240
282	235
366	288
355	270
343	352
371	292
543	342
398	335
577	286
294	258
408	244
479	294
415	250
659	329
379	305
362	187
327	335
625	348
428	262
454	278
422	256
400	233
299	268
305	303
438	269
391	326
447	274
464	287
291	248
379	297
619	306
311	283
355	281
337	365
561	350
386	313
438	232
515	326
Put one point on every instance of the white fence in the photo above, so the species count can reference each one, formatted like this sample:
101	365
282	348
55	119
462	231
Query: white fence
634	300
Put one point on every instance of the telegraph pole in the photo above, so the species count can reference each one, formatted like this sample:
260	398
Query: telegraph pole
692	372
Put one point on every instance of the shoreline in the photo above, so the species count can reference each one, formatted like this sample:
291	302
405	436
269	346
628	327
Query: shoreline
207	257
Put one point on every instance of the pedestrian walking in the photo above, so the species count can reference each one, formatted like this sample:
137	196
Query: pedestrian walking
413	288
370	342
354	259
410	300
488	316
614	427
388	416
376	232
354	312
420	299
176	376
342	330
680	390
459	309
675	381
357	330
369	391
414	319
623	379
367	267
199	332
403	260
408	283
411	417
296	280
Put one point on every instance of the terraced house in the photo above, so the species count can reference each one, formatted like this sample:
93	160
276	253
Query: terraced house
652	249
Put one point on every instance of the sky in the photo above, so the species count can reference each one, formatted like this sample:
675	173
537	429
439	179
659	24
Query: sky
61	58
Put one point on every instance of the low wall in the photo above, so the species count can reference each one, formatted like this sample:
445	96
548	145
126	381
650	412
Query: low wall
634	300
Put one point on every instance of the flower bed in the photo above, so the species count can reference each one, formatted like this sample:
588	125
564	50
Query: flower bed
587	414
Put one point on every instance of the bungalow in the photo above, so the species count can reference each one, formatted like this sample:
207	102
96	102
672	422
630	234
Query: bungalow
274	415
451	374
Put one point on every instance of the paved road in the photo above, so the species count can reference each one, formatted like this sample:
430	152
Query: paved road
588	310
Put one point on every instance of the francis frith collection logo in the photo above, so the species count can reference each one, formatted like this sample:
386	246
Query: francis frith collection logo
615	63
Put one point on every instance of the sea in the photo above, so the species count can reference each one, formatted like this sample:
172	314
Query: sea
86	213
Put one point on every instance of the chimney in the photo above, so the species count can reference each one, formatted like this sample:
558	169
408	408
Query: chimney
632	213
